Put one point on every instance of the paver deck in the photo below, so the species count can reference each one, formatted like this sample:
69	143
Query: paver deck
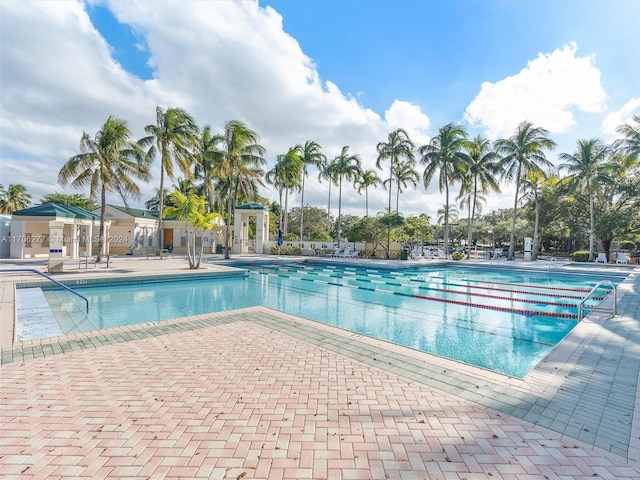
256	393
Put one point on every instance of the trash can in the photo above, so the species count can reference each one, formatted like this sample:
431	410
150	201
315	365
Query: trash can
219	249
404	254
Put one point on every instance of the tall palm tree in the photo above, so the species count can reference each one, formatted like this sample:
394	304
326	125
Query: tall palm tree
107	163
153	203
367	178
532	190
285	175
405	174
397	146
174	138
482	171
521	153
311	156
239	164
586	168
347	167
328	172
15	198
445	154
205	166
631	133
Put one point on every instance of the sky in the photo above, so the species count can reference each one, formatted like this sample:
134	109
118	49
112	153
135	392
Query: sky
338	72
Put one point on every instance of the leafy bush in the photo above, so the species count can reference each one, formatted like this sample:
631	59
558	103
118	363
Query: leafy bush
580	256
286	250
458	255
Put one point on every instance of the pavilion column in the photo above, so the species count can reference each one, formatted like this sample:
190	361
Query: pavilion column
56	240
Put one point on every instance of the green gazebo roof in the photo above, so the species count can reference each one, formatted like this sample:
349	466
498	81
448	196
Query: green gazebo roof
56	210
137	212
252	206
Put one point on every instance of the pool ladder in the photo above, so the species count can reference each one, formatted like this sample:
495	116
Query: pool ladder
614	309
33	270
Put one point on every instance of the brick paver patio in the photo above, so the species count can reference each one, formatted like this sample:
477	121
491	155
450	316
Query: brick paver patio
256	394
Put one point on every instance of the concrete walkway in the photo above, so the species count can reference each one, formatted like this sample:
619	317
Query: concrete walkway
256	393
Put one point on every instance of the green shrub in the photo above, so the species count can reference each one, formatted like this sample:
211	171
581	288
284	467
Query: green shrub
286	250
458	255
580	256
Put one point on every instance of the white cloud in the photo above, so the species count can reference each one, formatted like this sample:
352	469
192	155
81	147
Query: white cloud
218	60
545	92
613	120
410	117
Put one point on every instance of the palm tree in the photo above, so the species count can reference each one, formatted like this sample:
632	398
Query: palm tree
532	190
205	165
285	175
190	209
108	163
481	175
586	169
445	153
368	178
153	203
15	198
522	152
328	172
347	167
310	155
405	175
398	146
239	164
631	142
174	137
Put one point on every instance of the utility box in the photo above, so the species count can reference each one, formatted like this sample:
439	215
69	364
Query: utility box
527	249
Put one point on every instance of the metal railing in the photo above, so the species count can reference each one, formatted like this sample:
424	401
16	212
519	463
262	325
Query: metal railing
614	309
62	285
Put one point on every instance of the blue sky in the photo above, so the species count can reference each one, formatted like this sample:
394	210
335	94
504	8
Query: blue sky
337	72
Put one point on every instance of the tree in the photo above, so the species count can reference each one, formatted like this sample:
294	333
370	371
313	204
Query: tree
328	172
174	138
239	163
617	202
367	178
418	229
190	209
586	168
108	162
153	203
521	153
15	198
445	154
205	165
631	141
310	155
76	200
347	167
532	190
286	176
405	175
482	169
397	146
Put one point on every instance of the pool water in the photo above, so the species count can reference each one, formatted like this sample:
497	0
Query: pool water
501	320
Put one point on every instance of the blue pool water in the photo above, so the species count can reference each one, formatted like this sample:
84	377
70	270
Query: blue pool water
501	320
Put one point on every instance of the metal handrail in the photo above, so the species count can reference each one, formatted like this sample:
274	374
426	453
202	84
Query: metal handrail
552	261
33	270
614	310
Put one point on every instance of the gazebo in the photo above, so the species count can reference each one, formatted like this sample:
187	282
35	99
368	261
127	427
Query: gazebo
243	241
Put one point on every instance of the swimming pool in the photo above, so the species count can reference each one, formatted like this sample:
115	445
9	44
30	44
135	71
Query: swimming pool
498	319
